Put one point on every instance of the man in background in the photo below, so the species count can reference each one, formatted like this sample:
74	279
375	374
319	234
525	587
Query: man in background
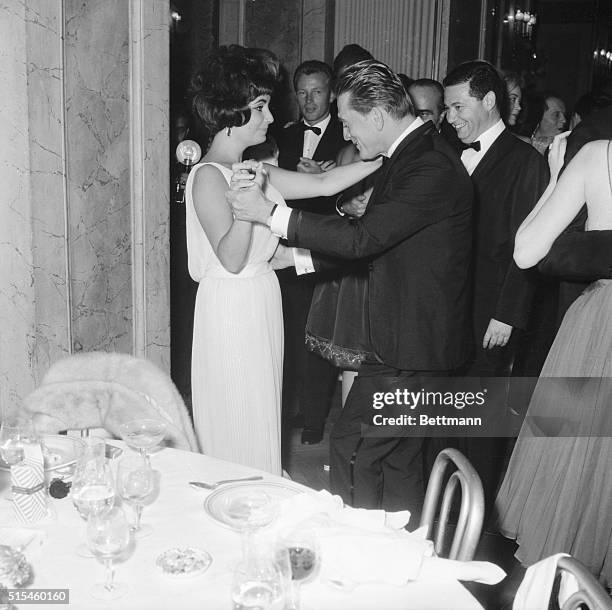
310	146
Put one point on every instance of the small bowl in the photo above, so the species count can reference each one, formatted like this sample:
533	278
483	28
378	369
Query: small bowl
184	562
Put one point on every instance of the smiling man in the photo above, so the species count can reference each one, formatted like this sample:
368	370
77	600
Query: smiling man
508	177
508	180
414	241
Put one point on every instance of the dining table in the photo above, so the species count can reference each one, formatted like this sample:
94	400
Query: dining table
179	519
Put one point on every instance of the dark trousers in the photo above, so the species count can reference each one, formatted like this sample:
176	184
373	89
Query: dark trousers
376	472
308	379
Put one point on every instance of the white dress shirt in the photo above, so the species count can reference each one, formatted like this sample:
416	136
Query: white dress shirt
279	223
470	157
311	139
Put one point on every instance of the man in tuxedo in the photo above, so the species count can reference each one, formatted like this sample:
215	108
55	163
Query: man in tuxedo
508	177
308	146
415	237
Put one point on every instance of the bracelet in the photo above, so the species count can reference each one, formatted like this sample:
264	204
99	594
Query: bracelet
273	210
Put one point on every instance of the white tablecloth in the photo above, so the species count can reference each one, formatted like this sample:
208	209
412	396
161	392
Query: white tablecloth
178	519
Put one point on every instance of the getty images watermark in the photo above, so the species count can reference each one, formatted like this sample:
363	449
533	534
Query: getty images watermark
489	407
403	397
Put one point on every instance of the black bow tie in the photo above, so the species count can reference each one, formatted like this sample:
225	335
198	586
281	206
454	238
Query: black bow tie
474	145
315	130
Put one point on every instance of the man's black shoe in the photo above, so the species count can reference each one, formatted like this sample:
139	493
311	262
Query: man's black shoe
312	436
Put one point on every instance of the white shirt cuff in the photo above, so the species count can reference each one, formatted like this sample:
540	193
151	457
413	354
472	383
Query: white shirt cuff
279	223
303	261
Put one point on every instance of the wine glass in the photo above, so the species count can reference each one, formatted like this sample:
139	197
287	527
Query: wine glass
143	435
304	556
257	583
12	440
108	536
135	485
92	490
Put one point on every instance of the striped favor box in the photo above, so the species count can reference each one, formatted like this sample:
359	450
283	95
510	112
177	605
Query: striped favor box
29	489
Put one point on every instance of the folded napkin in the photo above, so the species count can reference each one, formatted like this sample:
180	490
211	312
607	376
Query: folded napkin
28	485
350	557
536	588
357	545
438	568
305	507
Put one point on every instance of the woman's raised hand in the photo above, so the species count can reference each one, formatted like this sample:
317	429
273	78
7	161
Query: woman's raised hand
556	154
248	174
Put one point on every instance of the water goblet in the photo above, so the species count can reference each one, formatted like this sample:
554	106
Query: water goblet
12	440
257	584
136	485
92	491
108	536
143	435
304	556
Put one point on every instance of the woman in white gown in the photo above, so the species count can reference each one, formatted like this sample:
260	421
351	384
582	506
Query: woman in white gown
236	371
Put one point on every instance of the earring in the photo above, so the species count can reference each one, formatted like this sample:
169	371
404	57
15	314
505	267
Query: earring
229	132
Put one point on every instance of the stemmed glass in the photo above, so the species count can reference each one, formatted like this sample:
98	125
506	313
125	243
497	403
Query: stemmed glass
304	556
143	435
135	485
257	583
108	536
92	490
12	440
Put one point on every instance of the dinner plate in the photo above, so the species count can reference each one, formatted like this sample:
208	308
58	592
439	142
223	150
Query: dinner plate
59	452
225	504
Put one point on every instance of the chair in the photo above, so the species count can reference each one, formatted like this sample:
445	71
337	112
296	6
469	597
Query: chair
105	390
563	580
590	594
471	513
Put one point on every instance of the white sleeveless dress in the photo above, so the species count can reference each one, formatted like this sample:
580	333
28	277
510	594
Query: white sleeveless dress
237	354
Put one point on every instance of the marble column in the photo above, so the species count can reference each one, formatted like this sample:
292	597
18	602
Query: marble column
84	168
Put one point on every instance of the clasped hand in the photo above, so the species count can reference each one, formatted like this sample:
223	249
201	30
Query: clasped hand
245	196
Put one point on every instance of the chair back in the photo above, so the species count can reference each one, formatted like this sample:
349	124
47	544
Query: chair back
471	513
590	594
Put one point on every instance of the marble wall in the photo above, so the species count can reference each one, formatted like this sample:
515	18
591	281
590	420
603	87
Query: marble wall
98	171
83	149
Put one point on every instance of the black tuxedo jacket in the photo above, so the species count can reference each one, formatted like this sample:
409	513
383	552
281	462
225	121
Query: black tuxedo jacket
508	182
416	237
290	147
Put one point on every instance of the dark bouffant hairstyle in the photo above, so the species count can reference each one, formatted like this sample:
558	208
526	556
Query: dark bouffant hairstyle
348	56
371	83
223	88
482	77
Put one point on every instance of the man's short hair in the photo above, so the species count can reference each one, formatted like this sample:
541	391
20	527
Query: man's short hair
482	77
312	66
432	84
371	83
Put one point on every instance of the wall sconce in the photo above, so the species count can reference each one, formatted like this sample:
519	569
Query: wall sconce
522	22
188	153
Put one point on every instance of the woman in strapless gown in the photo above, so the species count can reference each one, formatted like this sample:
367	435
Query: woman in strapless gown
557	493
237	352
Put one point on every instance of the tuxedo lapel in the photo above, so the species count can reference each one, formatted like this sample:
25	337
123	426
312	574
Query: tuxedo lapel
410	140
494	155
330	142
